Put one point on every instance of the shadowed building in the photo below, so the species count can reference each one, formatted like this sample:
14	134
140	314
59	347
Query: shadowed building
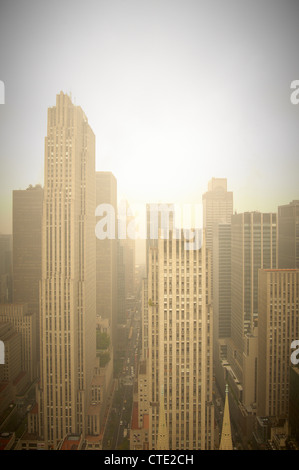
217	207
288	236
27	249
5	268
106	254
278	328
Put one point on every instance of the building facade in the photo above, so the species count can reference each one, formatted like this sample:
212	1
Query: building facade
68	284
179	338
106	254
278	328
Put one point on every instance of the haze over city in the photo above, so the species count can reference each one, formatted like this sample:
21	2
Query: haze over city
175	92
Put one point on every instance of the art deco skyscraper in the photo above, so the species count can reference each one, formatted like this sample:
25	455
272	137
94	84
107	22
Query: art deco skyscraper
254	246
67	288
218	209
179	335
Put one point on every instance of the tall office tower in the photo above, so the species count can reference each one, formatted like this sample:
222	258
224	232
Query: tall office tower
106	257
217	207
288	236
253	246
27	249
180	344
68	284
278	328
5	268
222	280
221	297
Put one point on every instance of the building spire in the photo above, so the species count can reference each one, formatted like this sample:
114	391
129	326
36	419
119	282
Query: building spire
162	439
226	435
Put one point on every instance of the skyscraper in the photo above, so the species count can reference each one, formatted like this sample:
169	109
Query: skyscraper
27	250
179	335
288	236
5	268
253	247
217	207
67	288
106	254
222	279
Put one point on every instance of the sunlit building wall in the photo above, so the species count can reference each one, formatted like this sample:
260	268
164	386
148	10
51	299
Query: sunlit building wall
180	345
68	285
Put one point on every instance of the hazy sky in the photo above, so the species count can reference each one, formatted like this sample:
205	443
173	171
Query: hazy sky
176	92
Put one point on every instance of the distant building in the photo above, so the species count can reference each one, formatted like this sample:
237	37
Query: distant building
217	208
27	245
288	236
5	268
106	255
253	246
221	295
